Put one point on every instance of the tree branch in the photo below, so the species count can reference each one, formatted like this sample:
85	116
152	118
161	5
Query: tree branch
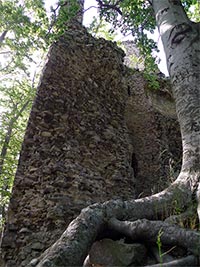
2	37
110	6
150	230
186	261
8	136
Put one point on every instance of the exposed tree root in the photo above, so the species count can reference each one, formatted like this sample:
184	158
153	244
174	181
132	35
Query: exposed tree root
150	230
187	219
186	261
73	246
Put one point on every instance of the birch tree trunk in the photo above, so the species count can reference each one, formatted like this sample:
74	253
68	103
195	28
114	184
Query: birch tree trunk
181	40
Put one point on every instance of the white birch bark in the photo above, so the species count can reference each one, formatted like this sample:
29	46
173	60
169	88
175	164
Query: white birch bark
181	41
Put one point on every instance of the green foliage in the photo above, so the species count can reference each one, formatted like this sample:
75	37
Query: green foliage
60	15
23	27
137	17
189	3
150	72
99	28
193	10
16	101
65	13
159	244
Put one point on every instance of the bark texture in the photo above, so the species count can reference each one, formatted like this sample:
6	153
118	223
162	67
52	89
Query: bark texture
150	230
181	40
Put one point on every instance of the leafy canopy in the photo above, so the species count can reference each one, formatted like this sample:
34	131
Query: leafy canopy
23	31
136	17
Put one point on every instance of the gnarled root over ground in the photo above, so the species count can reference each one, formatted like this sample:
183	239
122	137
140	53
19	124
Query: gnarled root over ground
132	218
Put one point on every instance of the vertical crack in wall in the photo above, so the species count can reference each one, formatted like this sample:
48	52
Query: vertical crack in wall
134	164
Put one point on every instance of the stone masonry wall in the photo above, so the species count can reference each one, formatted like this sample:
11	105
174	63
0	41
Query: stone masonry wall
155	136
76	149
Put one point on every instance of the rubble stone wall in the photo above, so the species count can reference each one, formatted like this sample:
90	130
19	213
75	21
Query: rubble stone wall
155	136
76	150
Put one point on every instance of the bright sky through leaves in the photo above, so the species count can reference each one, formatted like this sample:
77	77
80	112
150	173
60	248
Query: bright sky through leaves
91	11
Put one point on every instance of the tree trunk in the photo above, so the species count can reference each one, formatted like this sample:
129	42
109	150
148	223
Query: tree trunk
181	40
2	37
3	154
